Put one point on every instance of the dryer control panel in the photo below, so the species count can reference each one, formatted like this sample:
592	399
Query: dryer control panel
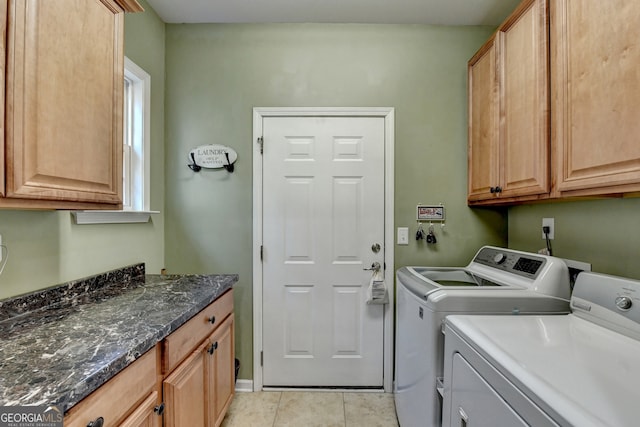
609	301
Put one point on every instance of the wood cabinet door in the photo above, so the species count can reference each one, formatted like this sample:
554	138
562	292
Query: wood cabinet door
184	392
596	95
483	123
144	415
3	57
523	58
221	374
64	83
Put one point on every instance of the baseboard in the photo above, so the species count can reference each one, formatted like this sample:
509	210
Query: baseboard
244	385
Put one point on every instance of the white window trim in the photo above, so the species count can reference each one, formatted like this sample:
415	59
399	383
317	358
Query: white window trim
131	215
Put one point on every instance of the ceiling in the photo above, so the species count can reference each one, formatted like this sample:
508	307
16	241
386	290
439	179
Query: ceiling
435	12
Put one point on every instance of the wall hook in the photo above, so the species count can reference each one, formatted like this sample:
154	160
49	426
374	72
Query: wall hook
194	166
229	166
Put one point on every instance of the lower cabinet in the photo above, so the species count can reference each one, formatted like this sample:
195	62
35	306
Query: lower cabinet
130	398
185	394
146	415
221	371
199	391
188	379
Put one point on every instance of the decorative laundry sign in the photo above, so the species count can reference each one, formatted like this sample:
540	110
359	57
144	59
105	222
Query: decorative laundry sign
212	156
430	213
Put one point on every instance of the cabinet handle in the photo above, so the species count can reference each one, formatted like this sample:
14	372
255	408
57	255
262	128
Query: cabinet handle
159	409
98	422
212	319
213	348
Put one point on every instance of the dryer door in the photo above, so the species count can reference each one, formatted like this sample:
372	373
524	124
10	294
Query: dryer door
475	403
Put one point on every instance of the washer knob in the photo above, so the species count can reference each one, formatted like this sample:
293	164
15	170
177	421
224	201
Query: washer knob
499	258
624	303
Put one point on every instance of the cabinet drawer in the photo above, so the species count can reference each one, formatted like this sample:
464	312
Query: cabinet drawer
118	396
178	345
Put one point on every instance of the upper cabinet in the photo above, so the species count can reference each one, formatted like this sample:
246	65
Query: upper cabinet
568	104
509	110
595	58
483	123
63	103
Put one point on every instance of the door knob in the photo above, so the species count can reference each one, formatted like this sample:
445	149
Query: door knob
374	267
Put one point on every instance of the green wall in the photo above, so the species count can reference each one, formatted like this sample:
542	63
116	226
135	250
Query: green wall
605	233
47	248
216	74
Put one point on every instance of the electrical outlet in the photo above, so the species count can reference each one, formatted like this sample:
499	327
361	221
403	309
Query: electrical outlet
403	235
549	222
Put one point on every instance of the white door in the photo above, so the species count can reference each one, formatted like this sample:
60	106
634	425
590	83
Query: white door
323	211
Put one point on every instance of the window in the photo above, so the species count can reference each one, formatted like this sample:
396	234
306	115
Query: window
136	153
135	168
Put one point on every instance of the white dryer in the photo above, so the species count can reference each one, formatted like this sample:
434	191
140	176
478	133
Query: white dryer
497	281
578	370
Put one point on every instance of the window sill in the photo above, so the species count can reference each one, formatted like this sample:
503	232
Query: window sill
112	217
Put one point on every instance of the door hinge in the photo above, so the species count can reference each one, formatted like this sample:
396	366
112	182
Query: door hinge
261	143
262	358
261	253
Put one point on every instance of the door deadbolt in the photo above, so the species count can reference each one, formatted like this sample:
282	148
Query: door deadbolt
375	248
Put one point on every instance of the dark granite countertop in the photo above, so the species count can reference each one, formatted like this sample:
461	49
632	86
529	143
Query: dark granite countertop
59	345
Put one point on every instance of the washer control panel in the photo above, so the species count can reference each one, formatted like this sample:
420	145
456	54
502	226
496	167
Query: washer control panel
526	265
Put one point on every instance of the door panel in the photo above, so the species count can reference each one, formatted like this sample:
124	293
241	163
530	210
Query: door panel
323	208
298	229
298	326
347	319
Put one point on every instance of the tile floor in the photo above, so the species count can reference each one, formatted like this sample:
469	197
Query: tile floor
311	409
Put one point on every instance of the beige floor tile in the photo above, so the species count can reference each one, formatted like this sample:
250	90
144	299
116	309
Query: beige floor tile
310	409
252	410
370	410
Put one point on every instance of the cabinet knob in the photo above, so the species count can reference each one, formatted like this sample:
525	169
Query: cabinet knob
98	422
498	189
213	348
495	189
212	319
159	409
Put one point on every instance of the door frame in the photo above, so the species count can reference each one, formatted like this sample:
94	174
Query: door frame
388	113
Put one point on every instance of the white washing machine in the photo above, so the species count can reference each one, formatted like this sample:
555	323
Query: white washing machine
581	370
496	281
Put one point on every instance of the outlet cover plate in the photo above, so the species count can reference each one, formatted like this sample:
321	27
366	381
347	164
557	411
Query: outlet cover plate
551	223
